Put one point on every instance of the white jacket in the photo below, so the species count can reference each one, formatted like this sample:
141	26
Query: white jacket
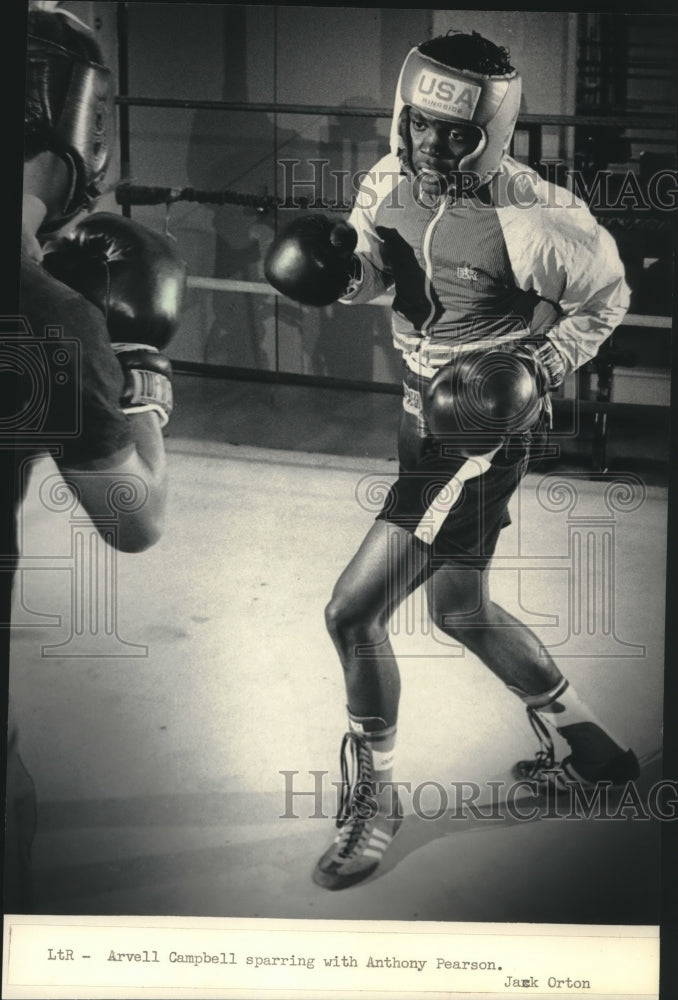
469	276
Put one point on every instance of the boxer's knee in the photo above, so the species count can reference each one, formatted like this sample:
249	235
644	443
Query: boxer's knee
349	620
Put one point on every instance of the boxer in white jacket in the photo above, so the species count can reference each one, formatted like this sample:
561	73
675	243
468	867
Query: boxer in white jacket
503	284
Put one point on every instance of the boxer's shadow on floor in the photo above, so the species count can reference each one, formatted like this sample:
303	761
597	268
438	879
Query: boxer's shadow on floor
88	848
112	845
498	814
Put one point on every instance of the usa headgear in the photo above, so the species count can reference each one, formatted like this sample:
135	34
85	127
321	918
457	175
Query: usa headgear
491	103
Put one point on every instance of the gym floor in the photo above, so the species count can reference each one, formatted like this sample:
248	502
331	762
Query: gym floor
159	739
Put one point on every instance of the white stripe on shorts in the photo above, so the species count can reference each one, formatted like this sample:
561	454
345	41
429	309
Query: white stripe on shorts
433	518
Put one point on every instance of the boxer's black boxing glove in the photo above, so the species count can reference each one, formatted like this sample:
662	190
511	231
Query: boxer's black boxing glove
481	398
137	280
312	260
134	275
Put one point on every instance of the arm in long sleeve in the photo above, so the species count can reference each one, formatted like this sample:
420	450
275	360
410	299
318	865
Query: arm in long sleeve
372	275
593	301
569	260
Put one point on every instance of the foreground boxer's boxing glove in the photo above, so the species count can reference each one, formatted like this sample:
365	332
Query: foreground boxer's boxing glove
311	261
137	280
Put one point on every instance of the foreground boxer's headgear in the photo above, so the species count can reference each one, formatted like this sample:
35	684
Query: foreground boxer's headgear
69	100
489	101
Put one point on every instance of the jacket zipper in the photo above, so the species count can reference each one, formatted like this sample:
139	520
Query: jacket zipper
426	251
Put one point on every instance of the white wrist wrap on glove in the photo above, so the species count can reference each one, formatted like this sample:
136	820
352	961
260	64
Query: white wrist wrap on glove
121	348
553	363
145	390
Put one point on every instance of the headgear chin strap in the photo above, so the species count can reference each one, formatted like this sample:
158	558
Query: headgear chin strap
491	103
69	99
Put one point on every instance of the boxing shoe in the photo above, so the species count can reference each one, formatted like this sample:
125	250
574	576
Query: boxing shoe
368	819
543	767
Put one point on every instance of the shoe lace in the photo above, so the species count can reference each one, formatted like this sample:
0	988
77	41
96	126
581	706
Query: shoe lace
544	758
356	780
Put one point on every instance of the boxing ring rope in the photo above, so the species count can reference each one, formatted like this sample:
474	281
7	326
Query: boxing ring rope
263	288
599	406
128	194
656	119
256	288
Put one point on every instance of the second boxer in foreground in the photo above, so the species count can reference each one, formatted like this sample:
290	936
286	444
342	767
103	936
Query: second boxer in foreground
83	376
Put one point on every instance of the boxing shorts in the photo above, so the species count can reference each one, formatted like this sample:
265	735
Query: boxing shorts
455	504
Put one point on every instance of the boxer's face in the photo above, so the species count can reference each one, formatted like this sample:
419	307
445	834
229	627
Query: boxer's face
437	148
48	179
